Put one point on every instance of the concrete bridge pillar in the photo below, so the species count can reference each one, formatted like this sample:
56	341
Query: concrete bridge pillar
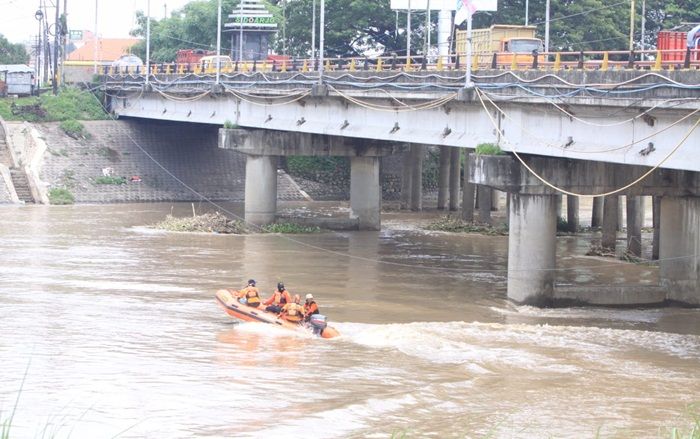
365	192
610	218
680	248
455	173
484	198
417	152
572	206
443	176
597	214
635	221
261	189
467	192
406	174
656	219
532	248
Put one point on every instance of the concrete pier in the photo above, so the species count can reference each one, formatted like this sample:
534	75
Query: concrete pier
532	248
597	214
417	152
635	221
406	174
260	189
484	193
455	174
467	192
610	217
680	248
365	192
572	206
443	177
656	220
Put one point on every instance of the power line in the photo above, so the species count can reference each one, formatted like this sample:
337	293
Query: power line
580	13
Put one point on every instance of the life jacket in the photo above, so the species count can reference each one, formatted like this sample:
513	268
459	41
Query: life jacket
293	312
280	298
283	297
311	308
252	296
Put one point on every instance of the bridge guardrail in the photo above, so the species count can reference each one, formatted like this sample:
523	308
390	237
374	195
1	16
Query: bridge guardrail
654	60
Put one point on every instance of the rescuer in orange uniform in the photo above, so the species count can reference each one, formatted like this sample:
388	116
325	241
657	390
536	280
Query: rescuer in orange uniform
310	307
293	311
250	295
278	299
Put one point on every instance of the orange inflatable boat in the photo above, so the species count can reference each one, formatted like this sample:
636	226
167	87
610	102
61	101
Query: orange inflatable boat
227	300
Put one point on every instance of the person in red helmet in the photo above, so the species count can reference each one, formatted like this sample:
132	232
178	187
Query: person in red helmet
278	299
293	311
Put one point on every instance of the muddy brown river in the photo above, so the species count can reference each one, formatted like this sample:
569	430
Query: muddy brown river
110	329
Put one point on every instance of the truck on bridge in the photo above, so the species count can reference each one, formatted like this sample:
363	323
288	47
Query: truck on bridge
505	40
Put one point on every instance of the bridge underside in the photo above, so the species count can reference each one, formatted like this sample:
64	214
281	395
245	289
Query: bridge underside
533	219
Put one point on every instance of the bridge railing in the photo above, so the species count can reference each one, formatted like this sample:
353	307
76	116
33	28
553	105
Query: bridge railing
655	60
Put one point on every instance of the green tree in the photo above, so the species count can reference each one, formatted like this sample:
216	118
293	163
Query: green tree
12	53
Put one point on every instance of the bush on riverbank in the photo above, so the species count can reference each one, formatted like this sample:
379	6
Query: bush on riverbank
208	223
60	196
74	129
290	228
456	225
70	104
107	179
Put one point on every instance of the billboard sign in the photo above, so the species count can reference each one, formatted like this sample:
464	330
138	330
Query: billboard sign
443	5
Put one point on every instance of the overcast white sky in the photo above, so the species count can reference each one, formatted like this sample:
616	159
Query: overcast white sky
115	18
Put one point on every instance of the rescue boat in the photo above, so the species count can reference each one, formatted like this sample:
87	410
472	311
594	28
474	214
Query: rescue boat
226	298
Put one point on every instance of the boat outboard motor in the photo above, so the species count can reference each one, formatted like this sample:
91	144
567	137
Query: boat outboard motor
318	323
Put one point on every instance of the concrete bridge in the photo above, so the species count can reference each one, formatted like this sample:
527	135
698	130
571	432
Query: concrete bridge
628	132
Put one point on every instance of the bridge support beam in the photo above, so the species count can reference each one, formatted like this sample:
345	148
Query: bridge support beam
635	222
365	192
260	189
443	177
455	174
680	248
532	248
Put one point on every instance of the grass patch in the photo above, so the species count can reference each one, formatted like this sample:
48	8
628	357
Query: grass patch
74	129
61	196
331	170
488	149
107	179
290	228
230	125
456	225
70	103
208	222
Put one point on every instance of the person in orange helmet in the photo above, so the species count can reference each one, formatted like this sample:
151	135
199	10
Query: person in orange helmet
293	311
278	299
249	295
310	307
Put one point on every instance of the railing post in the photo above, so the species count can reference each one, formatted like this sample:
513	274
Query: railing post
393	62
630	61
366	64
379	65
606	61
535	59
686	64
424	63
557	61
457	62
658	62
494	61
581	60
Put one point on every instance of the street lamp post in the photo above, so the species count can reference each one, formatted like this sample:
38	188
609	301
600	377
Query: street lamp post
546	27
55	51
322	41
240	30
632	16
218	42
527	12
313	34
148	40
94	38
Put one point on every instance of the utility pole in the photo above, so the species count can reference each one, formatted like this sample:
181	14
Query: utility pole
632	16
546	28
644	21
322	42
527	12
313	34
95	40
55	50
148	41
427	29
240	30
284	27
408	34
218	40
64	37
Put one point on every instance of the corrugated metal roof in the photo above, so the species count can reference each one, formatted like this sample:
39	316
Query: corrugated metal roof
16	68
